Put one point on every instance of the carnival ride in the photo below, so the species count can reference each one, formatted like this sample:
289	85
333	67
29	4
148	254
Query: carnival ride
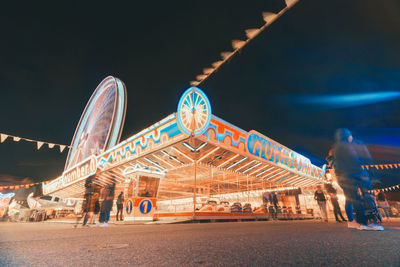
186	157
101	123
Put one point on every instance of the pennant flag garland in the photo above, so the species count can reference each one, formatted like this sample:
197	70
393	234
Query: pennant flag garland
217	64
39	144
290	3
237	45
387	189
251	33
225	55
208	70
381	166
3	137
18	186
269	16
200	77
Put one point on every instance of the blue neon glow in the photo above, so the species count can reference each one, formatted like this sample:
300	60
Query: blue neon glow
349	100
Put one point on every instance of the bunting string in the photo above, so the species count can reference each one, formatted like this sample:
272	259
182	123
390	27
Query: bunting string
381	166
15	187
386	189
39	144
237	45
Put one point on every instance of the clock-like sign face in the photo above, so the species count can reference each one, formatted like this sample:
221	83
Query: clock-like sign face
194	111
101	123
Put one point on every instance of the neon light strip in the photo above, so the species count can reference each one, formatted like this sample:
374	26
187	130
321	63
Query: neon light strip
261	173
252	167
290	175
201	146
294	178
183	154
245	165
172	157
188	146
207	154
262	168
276	174
160	159
228	160
154	163
273	172
236	163
301	182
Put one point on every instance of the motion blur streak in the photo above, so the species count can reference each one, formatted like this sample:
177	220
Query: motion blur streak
349	100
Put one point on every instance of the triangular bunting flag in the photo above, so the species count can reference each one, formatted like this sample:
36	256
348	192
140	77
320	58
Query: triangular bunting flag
237	44
194	83
200	77
16	139
39	144
62	147
3	137
225	55
208	70
217	64
268	16
50	145
250	33
290	3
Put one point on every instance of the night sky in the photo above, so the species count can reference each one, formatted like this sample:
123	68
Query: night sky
54	56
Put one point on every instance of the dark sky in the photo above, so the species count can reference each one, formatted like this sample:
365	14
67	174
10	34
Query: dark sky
53	57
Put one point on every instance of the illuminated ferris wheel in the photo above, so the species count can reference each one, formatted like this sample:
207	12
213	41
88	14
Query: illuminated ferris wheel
101	122
194	111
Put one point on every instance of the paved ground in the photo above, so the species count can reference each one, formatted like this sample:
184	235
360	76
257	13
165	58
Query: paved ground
295	243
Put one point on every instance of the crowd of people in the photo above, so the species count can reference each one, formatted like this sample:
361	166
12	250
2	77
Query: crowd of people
91	206
346	158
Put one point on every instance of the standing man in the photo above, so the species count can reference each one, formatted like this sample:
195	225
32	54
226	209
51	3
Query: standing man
120	206
319	196
334	200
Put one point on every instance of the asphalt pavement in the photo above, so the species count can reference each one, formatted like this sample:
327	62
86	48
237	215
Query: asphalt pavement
282	243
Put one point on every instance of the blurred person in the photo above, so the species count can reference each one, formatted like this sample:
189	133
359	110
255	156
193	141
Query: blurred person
351	177
383	204
106	205
319	196
86	204
334	200
120	205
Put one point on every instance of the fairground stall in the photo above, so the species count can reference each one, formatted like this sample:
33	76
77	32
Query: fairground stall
191	165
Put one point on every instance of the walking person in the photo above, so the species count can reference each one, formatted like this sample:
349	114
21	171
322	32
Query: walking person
351	178
96	211
334	200
383	205
86	204
106	205
120	206
319	196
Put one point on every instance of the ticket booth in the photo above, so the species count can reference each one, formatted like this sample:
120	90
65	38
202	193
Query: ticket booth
141	189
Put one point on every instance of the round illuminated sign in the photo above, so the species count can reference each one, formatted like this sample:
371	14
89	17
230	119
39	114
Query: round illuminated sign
101	122
129	206
145	206
194	111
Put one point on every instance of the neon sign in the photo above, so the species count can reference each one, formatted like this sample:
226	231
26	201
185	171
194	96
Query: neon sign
261	146
77	173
